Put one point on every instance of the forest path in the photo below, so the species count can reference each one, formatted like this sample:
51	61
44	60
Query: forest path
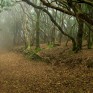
19	75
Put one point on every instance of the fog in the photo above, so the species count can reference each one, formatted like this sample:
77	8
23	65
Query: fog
10	21
6	36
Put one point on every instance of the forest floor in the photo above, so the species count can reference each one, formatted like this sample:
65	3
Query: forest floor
62	71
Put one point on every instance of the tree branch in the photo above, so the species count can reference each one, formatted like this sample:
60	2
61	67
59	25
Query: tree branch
51	18
82	16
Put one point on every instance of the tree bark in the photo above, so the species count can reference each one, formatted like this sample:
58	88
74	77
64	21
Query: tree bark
37	30
79	35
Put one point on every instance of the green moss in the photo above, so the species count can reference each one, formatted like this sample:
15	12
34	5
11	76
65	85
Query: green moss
50	46
37	50
32	55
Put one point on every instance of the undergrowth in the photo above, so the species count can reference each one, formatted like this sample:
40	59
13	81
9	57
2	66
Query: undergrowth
33	54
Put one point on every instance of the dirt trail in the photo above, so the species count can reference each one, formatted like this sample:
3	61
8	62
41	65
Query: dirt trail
18	75
73	73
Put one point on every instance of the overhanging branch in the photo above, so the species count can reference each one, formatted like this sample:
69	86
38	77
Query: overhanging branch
51	18
81	16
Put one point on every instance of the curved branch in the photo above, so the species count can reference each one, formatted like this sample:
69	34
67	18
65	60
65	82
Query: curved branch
81	16
57	8
86	2
51	18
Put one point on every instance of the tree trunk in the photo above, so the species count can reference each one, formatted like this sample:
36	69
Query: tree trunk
90	39
79	35
53	36
59	37
37	30
26	33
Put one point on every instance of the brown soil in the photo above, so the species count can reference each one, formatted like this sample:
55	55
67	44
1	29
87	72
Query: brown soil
66	72
18	75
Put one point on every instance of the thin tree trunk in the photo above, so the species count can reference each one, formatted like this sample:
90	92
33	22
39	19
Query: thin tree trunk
37	30
89	39
79	35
